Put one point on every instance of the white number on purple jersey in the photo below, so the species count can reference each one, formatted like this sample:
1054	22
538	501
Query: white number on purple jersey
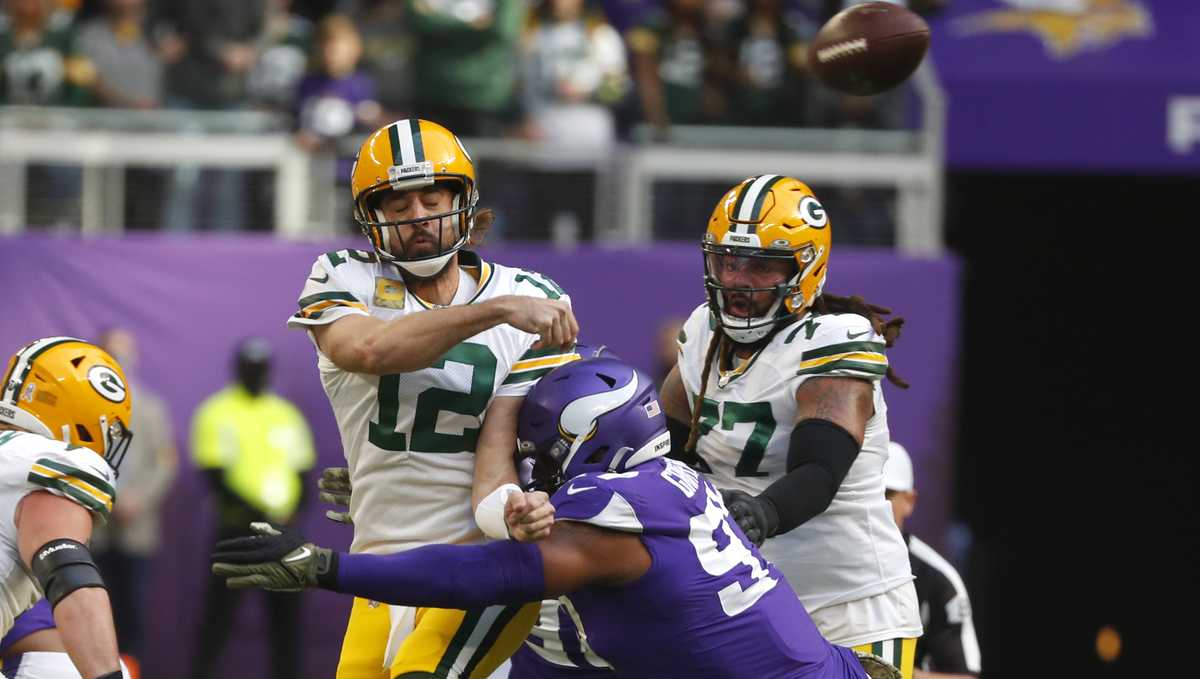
718	561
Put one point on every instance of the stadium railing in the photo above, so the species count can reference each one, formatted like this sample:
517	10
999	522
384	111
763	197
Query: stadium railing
105	142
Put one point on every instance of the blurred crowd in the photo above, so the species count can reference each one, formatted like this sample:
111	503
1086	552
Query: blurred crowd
572	73
576	70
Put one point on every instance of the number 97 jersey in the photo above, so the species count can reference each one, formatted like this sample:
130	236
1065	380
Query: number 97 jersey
410	438
853	549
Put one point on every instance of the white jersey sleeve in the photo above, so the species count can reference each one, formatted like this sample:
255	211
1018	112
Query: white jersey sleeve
332	291
77	474
841	345
534	363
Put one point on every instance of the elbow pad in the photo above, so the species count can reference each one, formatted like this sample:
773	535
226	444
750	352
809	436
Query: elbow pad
63	566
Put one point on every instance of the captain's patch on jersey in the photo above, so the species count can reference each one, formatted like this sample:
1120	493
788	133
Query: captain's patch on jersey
389	293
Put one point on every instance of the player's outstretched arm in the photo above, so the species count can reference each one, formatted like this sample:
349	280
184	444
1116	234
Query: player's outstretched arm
441	576
52	535
365	344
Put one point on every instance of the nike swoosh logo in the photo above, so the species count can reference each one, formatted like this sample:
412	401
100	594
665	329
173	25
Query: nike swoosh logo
303	554
319	280
856	335
571	490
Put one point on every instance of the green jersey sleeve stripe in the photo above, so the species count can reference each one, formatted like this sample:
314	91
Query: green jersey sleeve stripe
527	376
846	366
844	348
545	352
87	501
544	284
96	482
324	296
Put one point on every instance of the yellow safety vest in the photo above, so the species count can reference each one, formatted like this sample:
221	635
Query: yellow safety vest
262	442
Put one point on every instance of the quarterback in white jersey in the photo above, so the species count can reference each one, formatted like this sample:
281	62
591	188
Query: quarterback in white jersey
64	409
781	383
425	352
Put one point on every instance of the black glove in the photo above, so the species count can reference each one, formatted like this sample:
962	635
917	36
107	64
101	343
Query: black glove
756	516
280	561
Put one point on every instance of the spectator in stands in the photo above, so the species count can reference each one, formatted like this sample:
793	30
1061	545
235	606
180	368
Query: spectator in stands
40	66
574	73
335	98
283	50
768	53
676	67
464	63
220	39
39	63
387	51
948	649
254	447
128	70
125	547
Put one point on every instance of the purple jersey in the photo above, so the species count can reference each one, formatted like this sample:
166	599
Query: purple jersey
34	619
710	605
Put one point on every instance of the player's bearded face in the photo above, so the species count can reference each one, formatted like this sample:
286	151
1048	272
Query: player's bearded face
427	237
733	271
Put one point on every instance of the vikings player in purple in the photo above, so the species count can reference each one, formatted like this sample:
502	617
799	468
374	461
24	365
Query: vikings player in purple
663	582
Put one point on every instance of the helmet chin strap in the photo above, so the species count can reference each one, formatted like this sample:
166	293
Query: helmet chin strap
425	267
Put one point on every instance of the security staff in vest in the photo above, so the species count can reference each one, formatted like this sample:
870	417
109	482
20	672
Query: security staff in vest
254	447
948	649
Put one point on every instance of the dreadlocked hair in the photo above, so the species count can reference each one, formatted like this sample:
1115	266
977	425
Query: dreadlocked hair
689	448
890	329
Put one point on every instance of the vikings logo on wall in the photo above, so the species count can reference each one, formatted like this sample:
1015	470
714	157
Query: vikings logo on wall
1066	27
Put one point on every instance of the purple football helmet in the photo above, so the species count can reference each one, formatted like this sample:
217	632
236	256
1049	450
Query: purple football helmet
591	415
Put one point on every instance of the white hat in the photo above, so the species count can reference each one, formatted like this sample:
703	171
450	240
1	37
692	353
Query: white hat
898	470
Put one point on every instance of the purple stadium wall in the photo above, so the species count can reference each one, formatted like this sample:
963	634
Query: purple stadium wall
189	299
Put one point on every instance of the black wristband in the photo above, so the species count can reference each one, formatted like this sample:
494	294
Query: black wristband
327	569
62	566
112	675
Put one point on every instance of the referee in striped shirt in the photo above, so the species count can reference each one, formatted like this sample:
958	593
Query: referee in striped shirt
948	649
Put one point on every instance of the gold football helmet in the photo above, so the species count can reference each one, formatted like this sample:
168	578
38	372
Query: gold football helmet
409	154
71	390
763	221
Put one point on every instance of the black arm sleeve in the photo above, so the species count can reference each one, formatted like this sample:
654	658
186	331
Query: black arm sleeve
819	456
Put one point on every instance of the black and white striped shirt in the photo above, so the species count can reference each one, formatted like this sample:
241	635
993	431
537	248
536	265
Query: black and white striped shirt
949	643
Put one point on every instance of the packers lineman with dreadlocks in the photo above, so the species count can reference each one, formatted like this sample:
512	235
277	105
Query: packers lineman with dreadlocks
781	385
425	352
64	415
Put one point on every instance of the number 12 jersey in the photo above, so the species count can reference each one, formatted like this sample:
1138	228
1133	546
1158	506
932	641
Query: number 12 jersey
410	438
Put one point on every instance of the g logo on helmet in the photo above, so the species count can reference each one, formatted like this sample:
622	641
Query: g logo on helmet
107	383
813	213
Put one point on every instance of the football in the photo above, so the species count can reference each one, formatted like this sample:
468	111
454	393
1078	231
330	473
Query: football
869	48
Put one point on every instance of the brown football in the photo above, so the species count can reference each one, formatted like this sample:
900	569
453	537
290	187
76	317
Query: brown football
869	48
